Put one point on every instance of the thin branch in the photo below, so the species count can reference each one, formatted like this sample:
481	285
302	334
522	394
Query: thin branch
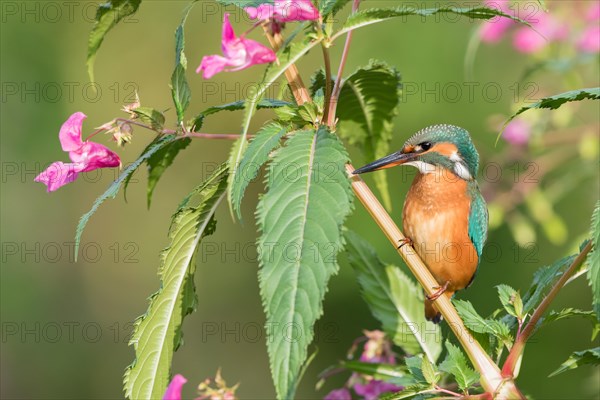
516	352
292	75
327	61
491	378
337	88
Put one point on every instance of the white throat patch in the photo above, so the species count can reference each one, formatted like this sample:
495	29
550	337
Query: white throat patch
422	166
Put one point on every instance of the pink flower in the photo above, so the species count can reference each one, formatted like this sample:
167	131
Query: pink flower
174	390
548	29
589	41
377	349
86	156
494	29
374	388
240	53
517	132
285	11
593	13
339	394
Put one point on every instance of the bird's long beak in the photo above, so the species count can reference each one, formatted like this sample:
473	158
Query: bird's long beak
392	160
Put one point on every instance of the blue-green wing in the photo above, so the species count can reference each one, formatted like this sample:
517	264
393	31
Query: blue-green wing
478	219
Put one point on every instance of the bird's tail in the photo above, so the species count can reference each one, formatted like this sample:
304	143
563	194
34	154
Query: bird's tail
431	312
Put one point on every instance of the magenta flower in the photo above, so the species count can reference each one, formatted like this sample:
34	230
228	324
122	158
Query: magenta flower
589	41
517	132
240	53
86	156
285	11
339	394
174	389
493	30
526	40
374	388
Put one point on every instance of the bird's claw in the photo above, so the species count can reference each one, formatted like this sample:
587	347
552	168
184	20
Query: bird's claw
440	291
404	242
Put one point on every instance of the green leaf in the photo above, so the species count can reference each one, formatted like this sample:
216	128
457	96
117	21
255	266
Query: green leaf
415	367
396	374
394	299
157	334
569	313
197	122
430	372
585	357
286	56
327	7
109	14
113	189
554	102
180	89
245	3
300	217
511	301
477	323
376	15
408	392
456	364
370	99
266	140
593	260
150	116
160	161
543	279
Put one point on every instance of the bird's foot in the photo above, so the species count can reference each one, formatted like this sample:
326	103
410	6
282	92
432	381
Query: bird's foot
404	242
440	291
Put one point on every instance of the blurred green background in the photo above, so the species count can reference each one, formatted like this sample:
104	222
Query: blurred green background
65	325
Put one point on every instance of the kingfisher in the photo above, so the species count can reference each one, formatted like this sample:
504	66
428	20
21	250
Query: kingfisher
445	217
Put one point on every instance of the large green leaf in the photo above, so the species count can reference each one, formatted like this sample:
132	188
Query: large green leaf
113	189
394	299
287	57
456	364
376	15
265	141
157	334
370	99
585	357
109	14
593	260
300	218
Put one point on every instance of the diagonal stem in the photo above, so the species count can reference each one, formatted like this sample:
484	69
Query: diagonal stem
516	352
491	379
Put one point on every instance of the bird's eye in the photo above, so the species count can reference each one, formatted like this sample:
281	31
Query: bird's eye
425	146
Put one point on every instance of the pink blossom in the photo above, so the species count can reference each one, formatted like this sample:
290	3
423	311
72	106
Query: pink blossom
517	132
240	53
285	11
86	156
374	388
339	394
589	41
493	30
174	390
377	349
593	13
547	29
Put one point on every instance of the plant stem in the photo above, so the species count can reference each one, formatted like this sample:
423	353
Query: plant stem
327	60
491	378
292	75
337	88
516	352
